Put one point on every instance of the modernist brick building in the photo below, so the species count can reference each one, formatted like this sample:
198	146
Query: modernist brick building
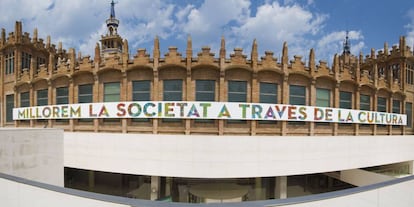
34	72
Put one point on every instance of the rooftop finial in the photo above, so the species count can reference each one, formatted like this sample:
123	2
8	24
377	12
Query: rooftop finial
347	44
222	47
112	9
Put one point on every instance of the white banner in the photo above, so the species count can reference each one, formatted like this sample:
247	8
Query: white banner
207	110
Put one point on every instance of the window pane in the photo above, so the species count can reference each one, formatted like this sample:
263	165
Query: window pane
409	112
62	95
26	59
237	91
365	102
111	98
85	93
345	100
173	90
9	63
63	91
297	90
237	86
268	92
141	90
42	97
112	92
25	99
382	104
142	85
297	95
396	106
111	88
205	90
173	85
235	97
323	98
9	107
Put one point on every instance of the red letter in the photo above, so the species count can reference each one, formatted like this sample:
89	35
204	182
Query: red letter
121	109
292	112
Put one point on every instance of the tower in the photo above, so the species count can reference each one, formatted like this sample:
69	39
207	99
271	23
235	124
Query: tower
347	45
111	42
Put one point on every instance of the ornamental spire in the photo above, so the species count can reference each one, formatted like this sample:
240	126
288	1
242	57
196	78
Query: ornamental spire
112	43
112	10
347	44
112	23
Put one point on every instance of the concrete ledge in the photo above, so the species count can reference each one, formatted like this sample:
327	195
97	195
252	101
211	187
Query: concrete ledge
209	156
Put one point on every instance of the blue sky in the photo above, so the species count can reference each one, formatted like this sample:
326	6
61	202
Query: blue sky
304	24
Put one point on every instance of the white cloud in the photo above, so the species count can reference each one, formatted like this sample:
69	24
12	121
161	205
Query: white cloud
141	27
183	13
332	43
275	24
72	23
13	10
211	20
88	46
292	2
410	28
214	14
80	24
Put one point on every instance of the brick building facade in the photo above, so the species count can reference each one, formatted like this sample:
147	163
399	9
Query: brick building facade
34	72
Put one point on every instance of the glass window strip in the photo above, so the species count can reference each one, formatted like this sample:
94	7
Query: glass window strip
85	93
141	90
409	113
112	92
323	98
173	90
396	106
237	92
345	100
25	99
9	63
297	95
62	95
382	104
42	97
365	102
9	107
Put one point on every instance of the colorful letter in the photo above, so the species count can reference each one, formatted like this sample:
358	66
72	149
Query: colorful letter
224	112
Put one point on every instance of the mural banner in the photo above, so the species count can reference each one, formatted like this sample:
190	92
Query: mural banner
207	110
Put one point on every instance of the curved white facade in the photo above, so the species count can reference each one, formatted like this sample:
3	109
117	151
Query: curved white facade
230	156
16	194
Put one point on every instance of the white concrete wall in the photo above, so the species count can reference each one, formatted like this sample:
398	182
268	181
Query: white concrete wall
13	194
35	154
206	156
